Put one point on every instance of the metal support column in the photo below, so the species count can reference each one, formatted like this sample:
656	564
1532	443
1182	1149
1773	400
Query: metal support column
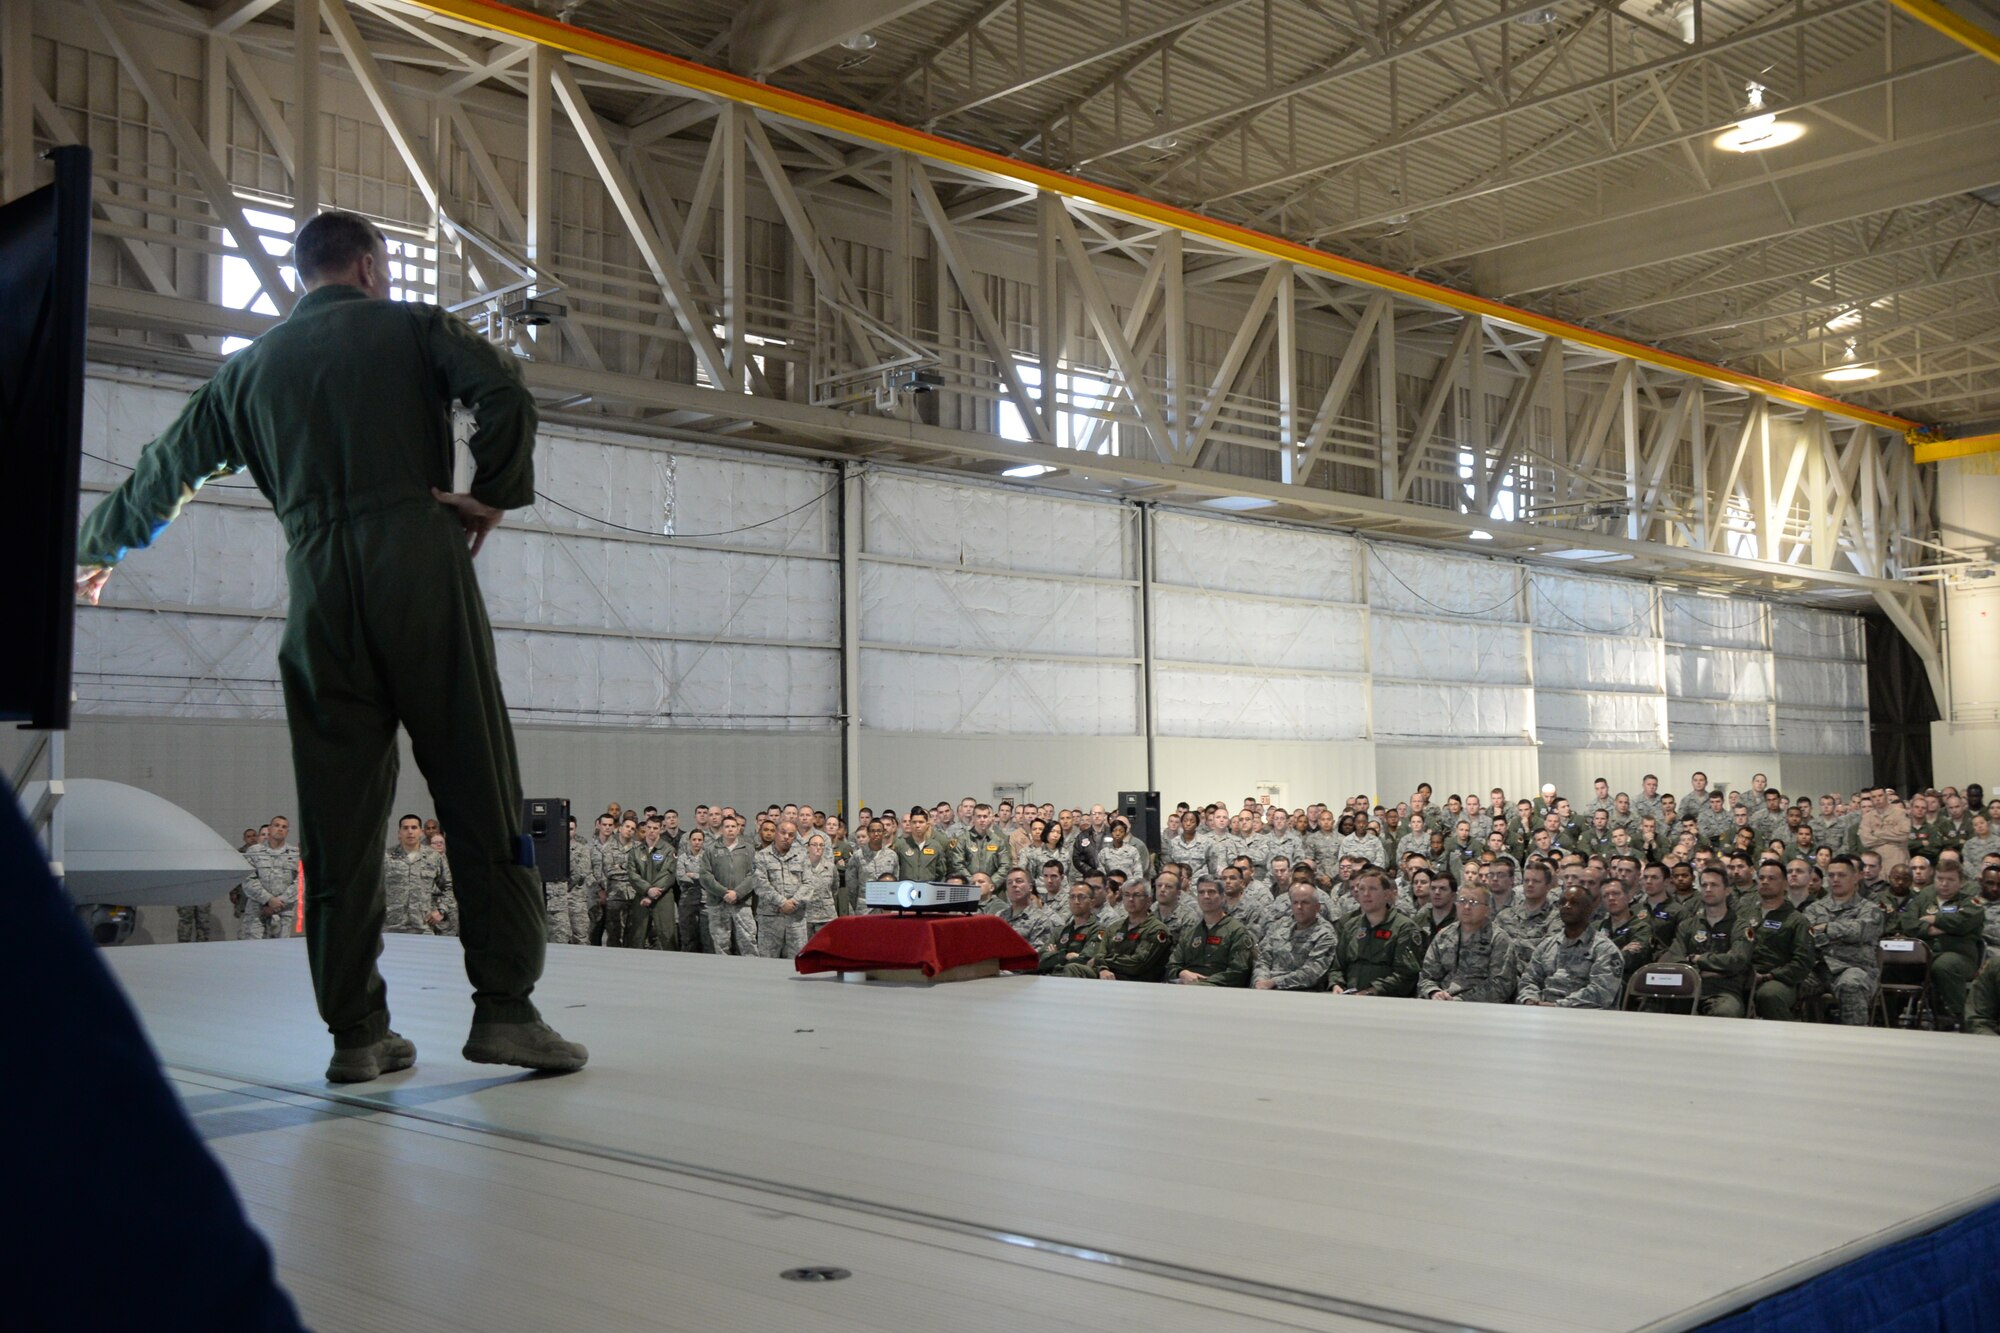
1146	654
850	641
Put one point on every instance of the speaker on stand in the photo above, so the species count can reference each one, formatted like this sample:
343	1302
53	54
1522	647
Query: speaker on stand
545	824
1141	812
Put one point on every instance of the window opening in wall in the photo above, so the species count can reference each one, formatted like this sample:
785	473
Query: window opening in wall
1082	397
240	288
766	365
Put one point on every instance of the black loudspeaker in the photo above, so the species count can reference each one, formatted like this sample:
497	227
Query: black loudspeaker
1141	810
546	824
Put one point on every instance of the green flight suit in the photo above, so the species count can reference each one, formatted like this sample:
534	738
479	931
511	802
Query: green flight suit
1135	951
1723	952
931	861
991	854
1955	937
1072	947
1783	953
1224	954
652	869
1982	1001
1377	960
341	416
1638	929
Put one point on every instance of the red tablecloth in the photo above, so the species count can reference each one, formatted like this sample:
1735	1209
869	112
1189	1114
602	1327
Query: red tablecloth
935	943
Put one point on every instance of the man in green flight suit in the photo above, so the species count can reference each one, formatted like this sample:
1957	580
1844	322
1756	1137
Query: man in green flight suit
1377	950
1217	950
341	414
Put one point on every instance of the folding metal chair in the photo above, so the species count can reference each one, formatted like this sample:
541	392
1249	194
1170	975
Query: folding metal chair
1659	986
1906	980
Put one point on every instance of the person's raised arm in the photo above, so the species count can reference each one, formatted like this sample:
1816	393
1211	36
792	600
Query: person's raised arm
197	448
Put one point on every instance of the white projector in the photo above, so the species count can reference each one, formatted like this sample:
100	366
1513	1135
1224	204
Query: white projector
905	895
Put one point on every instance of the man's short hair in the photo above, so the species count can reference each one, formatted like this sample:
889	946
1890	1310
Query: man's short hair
406	818
332	242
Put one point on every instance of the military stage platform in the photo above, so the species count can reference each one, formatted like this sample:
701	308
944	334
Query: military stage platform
1029	1152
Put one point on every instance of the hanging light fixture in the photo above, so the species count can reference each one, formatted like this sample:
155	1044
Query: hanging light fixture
1847	372
1760	129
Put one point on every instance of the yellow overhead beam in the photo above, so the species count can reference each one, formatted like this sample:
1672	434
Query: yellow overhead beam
1962	31
714	83
1938	451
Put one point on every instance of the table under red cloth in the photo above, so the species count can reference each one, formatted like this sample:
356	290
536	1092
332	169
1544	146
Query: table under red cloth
935	943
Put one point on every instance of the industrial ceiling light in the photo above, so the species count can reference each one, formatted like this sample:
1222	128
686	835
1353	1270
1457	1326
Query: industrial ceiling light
1848	372
1480	535
1166	140
1028	470
1537	18
1760	129
860	41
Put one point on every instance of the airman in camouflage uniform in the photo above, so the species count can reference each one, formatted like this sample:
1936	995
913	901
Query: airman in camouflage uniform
1296	951
687	873
1473	958
271	892
728	880
1576	967
1847	932
821	902
586	879
780	873
412	882
1018	909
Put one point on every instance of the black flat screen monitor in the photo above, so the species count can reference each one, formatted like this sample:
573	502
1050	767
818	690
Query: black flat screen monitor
44	289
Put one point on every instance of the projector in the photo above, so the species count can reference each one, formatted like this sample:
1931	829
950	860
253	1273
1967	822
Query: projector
908	896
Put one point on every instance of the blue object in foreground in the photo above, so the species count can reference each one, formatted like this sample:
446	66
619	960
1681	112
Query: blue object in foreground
1944	1281
117	1216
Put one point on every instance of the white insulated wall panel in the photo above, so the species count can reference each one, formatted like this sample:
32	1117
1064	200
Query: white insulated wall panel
1712	673
1599	720
624	587
1426	583
1574	605
1801	631
1821	733
142	663
1716	622
570	677
1219	629
1811	683
640	484
911	691
1248	705
991	683
948	523
1719	728
1476	714
1597	662
1239	555
913	607
1409	648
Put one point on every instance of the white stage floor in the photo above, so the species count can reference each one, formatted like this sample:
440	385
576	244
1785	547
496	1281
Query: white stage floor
1036	1152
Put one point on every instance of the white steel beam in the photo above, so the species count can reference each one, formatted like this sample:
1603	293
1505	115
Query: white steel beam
195	156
